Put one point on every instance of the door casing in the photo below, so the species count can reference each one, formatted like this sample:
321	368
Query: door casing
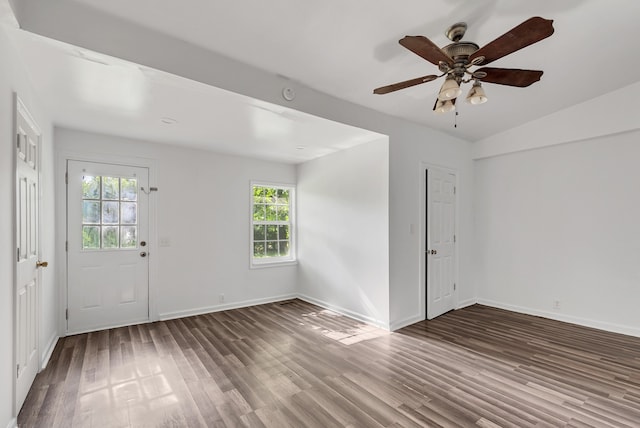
61	222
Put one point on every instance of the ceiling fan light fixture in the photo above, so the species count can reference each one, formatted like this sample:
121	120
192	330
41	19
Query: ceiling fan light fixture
444	106
450	90
477	95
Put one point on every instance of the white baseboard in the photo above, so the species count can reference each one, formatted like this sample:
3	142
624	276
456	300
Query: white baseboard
466	303
397	325
585	322
13	423
346	312
47	354
224	307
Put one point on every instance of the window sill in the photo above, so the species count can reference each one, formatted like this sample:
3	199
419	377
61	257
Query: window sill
272	263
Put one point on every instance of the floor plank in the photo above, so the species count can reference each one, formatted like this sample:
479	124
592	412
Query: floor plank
294	364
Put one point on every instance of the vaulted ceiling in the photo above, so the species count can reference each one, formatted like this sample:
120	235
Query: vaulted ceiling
341	48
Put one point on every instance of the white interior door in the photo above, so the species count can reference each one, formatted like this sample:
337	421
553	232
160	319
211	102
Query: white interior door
27	275
107	234
440	248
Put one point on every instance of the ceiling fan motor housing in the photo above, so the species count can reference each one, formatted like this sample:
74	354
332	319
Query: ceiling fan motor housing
460	53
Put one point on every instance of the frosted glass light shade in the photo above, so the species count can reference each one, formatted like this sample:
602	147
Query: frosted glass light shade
476	95
450	90
444	106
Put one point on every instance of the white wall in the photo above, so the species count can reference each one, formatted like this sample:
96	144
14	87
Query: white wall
410	151
13	79
410	144
343	231
561	223
202	210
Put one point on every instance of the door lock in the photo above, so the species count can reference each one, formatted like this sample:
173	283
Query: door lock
143	254
143	243
40	264
434	251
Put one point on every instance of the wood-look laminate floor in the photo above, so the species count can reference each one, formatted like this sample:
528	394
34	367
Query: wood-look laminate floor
297	365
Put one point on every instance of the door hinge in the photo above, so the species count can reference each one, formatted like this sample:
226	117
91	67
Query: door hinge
66	245
454	238
18	140
66	314
454	286
17	254
66	178
17	371
454	190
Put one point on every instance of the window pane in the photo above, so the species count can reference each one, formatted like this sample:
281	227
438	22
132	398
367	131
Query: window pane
272	232
129	189
283	233
271	209
110	188
272	248
110	212
283	197
129	212
272	214
258	194
90	237
283	247
259	213
258	249
283	213
259	232
270	195
90	212
128	237
110	237
90	187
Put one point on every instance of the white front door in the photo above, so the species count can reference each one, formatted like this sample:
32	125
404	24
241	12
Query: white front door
107	234
27	276
440	248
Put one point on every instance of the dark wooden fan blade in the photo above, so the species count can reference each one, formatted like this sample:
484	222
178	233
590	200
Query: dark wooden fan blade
510	76
405	84
529	32
424	47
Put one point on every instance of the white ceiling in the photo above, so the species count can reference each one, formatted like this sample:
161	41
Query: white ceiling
342	48
97	93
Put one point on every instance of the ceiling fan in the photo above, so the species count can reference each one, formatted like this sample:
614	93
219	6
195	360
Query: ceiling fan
455	60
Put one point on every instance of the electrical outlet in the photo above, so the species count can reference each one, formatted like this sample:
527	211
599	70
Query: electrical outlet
221	298
556	304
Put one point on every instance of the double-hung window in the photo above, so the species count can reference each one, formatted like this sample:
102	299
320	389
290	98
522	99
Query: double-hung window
272	224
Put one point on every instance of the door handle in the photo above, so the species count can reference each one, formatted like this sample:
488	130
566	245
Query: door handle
40	264
432	251
143	254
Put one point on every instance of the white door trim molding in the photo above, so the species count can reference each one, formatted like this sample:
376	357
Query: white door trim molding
422	233
61	223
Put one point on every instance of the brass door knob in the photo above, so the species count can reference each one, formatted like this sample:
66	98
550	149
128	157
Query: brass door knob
40	264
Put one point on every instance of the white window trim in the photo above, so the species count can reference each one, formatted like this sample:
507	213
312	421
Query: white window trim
257	263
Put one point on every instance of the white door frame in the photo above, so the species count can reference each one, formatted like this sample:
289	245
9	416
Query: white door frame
19	107
61	223
423	233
